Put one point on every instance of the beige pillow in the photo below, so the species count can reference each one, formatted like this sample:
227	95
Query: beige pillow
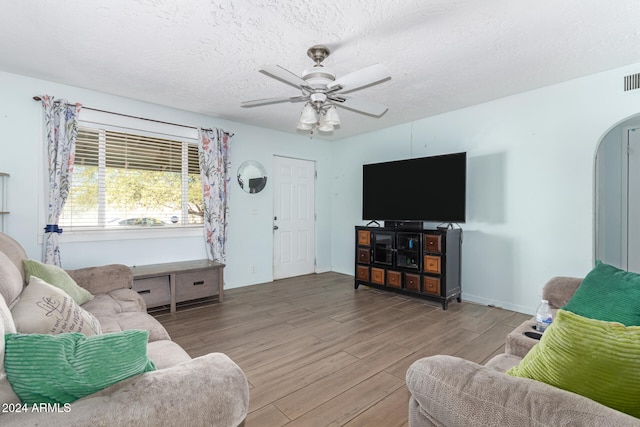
45	309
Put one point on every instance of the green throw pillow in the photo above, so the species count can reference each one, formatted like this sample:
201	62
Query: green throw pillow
44	368
608	293
595	359
57	277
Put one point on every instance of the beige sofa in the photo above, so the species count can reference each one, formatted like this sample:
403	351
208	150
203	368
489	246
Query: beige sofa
449	391
210	390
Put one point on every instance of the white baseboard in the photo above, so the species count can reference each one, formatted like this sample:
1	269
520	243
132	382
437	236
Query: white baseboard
500	304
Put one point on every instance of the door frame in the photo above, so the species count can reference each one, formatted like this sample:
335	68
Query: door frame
624	202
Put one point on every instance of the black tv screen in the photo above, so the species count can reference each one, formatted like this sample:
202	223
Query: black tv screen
422	189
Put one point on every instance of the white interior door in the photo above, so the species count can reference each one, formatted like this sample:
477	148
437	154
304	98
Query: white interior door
293	217
633	201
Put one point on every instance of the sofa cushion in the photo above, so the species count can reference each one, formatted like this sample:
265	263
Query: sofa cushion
450	391
503	362
140	320
608	293
7	394
590	357
115	302
104	278
57	277
11	281
15	252
71	365
6	319
45	309
165	354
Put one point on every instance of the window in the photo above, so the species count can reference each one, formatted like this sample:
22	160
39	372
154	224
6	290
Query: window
125	179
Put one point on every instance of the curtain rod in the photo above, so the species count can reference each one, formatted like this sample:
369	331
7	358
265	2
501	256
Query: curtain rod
37	98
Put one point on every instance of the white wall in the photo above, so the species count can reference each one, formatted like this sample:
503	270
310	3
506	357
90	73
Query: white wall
250	235
529	182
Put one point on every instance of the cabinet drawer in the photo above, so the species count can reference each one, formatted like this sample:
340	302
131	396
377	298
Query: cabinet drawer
364	255
412	282
394	279
377	276
432	264
433	242
431	285
362	273
364	238
198	284
155	291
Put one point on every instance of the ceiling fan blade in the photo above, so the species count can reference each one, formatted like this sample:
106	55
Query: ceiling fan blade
360	105
367	76
285	76
265	101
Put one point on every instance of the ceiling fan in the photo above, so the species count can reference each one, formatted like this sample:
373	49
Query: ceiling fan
322	92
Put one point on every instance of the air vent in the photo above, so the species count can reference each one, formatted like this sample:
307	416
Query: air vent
632	82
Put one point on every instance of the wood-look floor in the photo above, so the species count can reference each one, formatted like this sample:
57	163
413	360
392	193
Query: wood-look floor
317	352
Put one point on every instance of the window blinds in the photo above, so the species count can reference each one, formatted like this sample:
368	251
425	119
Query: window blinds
125	179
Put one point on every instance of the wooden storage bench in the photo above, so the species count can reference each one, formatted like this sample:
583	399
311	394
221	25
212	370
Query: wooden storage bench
168	284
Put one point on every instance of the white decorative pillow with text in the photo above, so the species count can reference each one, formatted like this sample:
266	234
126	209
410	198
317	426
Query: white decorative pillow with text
45	309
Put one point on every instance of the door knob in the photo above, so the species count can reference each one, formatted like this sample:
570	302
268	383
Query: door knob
275	227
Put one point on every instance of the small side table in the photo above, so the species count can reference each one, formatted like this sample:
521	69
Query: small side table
176	282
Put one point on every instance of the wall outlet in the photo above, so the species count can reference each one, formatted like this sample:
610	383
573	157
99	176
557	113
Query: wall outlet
254	269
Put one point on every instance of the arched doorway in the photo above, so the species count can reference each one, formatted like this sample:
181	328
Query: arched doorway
617	196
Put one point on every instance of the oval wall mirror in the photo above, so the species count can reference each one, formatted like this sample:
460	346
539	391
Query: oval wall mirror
252	177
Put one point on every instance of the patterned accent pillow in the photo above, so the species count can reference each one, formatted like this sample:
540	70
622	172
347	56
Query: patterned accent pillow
590	357
62	368
45	309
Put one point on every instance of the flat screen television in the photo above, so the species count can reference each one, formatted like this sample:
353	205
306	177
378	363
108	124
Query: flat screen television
430	189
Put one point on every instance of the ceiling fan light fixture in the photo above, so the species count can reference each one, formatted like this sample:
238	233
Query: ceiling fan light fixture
325	127
304	126
331	116
308	115
321	91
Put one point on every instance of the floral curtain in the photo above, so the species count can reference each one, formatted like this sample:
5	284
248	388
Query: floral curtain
61	125
213	153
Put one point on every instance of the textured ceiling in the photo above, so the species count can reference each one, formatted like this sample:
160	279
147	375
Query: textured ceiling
203	56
